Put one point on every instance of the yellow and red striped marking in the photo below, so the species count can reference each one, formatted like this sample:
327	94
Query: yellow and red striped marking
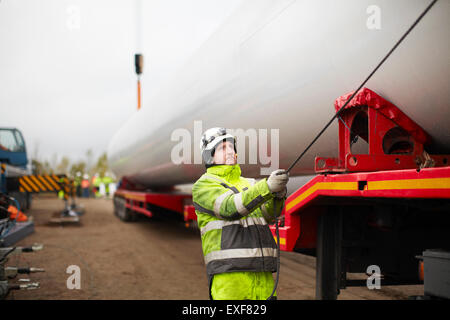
428	183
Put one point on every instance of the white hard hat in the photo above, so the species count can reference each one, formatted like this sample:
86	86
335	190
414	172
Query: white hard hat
211	139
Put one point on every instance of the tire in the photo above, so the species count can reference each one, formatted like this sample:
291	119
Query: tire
328	257
121	211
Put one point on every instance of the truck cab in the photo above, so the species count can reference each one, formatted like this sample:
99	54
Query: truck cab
12	148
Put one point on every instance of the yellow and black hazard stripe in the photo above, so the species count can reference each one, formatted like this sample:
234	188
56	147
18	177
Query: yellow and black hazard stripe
40	183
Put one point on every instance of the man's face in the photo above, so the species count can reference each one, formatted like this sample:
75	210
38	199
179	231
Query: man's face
225	154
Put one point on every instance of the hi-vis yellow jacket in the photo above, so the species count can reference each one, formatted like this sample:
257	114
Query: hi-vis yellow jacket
233	215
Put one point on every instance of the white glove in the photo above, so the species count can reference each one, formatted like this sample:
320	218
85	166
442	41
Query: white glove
277	180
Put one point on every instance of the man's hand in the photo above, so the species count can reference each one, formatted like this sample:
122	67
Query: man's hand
277	180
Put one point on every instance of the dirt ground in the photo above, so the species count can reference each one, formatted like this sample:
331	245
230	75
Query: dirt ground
148	259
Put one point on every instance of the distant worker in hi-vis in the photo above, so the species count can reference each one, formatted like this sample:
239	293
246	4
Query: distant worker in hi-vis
233	214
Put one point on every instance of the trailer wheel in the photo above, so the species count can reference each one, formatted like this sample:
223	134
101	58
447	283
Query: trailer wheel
328	256
121	211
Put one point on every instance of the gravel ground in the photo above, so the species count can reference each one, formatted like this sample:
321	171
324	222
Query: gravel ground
149	259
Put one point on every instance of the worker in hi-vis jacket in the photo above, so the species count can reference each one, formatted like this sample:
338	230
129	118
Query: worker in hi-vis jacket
233	214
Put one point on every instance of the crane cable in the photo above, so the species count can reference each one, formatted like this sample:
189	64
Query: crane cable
363	83
336	116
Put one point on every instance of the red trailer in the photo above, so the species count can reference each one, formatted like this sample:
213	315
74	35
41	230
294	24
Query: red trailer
129	201
383	208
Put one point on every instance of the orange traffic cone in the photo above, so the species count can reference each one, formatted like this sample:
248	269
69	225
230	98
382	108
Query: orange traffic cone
13	213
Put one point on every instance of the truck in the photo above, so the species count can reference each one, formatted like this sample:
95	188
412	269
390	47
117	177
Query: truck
18	184
372	195
14	166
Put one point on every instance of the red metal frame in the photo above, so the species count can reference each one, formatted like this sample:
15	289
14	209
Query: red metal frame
394	140
137	201
396	175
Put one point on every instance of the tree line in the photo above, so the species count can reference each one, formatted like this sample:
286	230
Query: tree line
72	169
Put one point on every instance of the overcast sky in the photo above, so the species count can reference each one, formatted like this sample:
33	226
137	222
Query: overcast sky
67	74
